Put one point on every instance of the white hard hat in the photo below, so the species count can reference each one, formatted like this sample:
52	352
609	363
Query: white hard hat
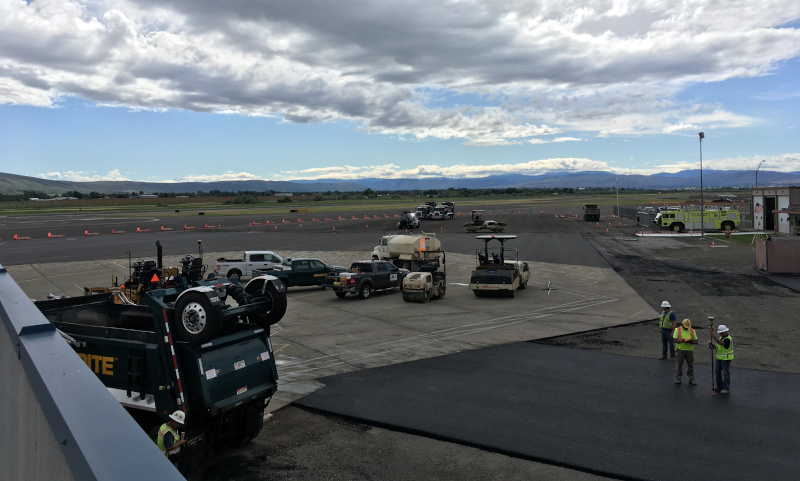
665	304
178	416
721	329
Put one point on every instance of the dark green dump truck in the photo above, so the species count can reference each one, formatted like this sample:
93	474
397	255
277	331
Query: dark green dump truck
201	347
591	212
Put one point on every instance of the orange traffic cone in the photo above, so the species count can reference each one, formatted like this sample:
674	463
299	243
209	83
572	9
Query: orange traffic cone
712	244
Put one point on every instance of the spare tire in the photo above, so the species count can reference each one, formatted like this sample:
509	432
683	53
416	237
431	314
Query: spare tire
196	320
277	307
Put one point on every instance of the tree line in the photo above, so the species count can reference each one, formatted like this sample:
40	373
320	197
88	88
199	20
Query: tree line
249	197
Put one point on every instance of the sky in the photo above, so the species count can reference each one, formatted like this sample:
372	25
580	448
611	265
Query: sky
206	90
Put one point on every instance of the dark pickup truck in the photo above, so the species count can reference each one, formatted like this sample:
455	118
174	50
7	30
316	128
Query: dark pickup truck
363	277
304	271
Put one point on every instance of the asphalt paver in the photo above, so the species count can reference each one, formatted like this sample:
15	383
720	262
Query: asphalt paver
609	414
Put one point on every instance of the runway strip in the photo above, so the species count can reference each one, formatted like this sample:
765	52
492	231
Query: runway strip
602	413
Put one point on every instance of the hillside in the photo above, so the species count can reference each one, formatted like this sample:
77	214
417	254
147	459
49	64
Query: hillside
15	184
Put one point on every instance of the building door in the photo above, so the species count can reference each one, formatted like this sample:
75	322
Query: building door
770	204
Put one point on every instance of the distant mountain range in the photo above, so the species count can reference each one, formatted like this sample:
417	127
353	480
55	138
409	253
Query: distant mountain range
15	184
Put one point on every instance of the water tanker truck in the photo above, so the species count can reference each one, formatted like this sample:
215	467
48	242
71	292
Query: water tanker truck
408	251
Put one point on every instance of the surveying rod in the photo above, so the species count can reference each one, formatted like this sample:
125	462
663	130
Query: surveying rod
711	345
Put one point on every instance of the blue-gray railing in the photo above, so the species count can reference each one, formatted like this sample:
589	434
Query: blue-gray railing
96	437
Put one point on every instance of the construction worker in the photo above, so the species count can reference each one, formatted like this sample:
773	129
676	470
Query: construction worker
724	345
667	324
685	338
169	441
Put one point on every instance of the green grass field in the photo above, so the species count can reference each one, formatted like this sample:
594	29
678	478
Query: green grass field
167	206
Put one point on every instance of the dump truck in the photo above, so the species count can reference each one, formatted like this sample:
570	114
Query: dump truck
430	282
407	251
449	210
591	212
201	347
424	212
499	271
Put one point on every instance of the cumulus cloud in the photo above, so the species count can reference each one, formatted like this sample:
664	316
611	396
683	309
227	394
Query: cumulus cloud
82	176
553	141
392	171
228	175
778	163
542	68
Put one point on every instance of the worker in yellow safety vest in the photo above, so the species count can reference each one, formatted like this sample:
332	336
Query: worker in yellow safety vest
169	441
724	345
685	338
666	324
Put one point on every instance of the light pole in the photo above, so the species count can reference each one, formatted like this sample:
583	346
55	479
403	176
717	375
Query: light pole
759	166
702	204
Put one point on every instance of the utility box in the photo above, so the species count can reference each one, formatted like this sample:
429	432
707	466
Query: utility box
780	255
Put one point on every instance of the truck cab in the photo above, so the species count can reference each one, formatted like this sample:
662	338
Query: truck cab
364	277
305	271
244	266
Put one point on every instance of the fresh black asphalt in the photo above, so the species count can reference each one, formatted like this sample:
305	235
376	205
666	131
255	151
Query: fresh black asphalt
620	416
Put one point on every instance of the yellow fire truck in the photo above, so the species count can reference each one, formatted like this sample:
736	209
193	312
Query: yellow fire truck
680	220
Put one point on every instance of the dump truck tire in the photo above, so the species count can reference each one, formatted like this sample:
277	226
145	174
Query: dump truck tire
247	427
277	309
442	290
196	320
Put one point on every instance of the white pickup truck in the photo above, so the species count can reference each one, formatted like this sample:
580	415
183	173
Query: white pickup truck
250	261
